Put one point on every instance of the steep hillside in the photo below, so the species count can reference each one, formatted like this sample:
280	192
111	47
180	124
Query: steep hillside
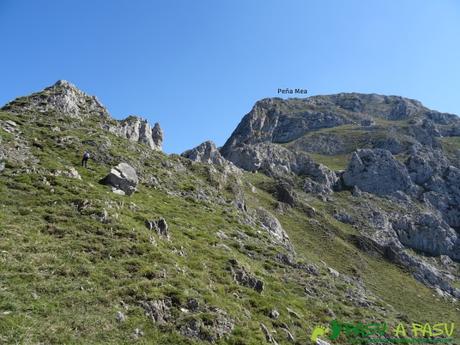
383	149
204	252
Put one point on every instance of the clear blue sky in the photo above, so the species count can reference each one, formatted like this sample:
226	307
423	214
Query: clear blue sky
198	66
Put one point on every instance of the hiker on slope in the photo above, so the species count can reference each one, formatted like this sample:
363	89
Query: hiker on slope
84	161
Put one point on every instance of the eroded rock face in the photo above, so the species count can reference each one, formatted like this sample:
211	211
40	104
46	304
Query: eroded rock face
322	143
391	233
137	129
276	160
429	234
377	171
122	178
157	136
272	225
444	194
423	164
62	98
206	152
422	271
277	120
280	121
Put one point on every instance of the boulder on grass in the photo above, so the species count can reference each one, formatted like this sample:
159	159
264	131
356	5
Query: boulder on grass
122	178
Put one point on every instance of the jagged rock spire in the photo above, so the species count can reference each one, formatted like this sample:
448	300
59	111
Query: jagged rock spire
137	129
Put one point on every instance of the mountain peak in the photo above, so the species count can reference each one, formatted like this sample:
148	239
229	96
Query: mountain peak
64	83
62	98
280	120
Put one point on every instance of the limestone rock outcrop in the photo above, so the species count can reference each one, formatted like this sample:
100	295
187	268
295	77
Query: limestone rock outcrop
122	178
137	129
429	234
377	171
206	152
275	160
273	227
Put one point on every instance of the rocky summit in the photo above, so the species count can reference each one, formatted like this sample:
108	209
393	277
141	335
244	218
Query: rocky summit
341	207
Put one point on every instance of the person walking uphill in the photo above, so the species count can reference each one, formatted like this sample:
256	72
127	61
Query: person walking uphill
84	161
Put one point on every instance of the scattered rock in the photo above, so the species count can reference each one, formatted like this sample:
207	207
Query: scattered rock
285	193
221	235
293	313
330	312
11	123
69	172
215	327
274	314
73	173
137	333
289	335
355	191
285	259
242	277
118	191
344	217
159	311
160	226
333	272
193	328
446	261
120	316
367	122
267	334
192	304
321	342
102	216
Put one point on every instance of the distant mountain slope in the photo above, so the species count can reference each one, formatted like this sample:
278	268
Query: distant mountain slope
388	146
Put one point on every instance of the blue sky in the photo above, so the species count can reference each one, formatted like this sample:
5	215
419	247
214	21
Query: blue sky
198	66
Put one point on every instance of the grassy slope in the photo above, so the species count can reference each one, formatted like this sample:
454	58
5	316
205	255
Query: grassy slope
353	138
64	274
